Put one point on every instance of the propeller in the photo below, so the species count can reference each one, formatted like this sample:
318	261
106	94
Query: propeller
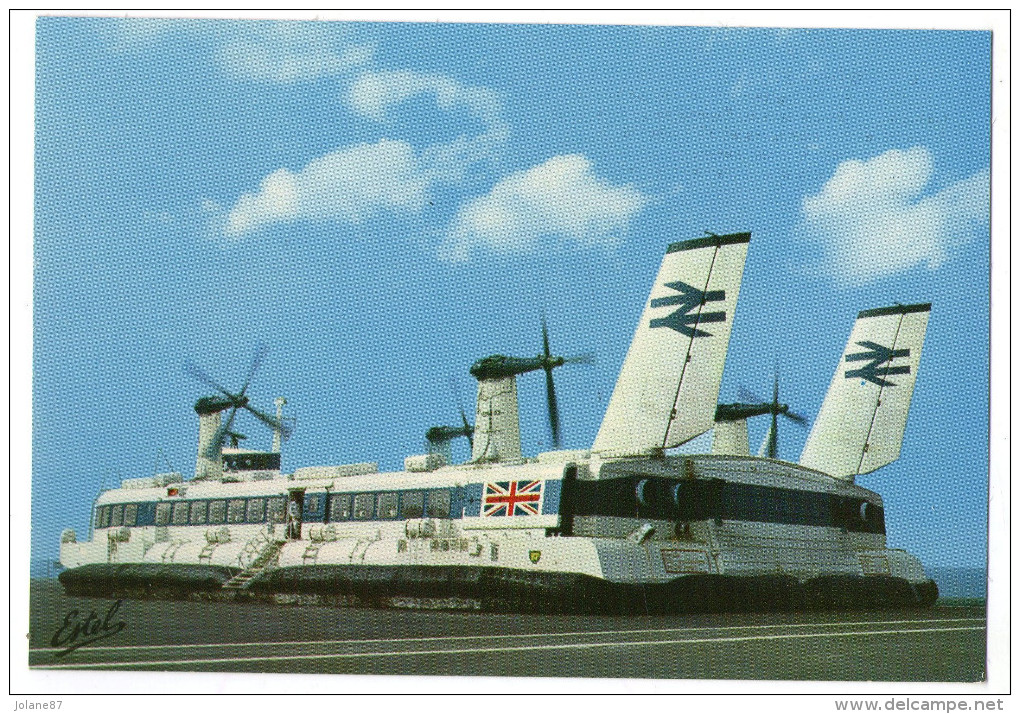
439	436
548	364
234	402
501	366
751	405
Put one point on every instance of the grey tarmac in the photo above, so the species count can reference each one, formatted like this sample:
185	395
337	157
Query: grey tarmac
940	644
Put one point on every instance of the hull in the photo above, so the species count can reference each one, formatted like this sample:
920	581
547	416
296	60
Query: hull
667	535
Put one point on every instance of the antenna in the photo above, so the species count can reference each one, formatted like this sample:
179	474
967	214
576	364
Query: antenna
161	454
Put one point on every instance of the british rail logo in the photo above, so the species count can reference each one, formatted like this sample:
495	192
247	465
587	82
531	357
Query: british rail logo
684	320
876	355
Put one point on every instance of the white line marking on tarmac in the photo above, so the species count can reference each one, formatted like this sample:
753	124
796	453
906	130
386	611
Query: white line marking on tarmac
481	650
453	638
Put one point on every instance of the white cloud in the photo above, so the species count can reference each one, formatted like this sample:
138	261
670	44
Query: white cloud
287	52
354	183
374	93
351	184
872	220
265	51
560	199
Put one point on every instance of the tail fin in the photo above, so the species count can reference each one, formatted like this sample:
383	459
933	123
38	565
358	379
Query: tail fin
861	423
667	390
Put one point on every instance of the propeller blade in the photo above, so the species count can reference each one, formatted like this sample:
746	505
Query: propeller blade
201	376
550	387
469	432
217	443
260	354
796	418
774	437
763	450
269	421
774	444
746	395
545	339
554	412
586	358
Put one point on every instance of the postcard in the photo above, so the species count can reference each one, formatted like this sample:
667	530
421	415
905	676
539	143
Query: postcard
593	352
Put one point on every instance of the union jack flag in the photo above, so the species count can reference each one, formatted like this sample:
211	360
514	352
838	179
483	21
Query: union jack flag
512	498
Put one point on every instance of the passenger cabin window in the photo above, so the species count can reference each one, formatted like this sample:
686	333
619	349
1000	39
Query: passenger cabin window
180	513
277	511
162	514
387	505
363	503
256	510
103	517
235	512
340	507
439	504
412	504
130	514
312	504
198	512
117	516
217	511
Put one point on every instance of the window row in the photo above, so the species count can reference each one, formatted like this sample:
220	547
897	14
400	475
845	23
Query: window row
235	510
123	515
388	506
338	507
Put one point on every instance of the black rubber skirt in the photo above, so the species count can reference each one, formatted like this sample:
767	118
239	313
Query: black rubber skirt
506	590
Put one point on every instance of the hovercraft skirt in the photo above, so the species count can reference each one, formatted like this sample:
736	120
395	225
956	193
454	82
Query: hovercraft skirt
505	589
143	580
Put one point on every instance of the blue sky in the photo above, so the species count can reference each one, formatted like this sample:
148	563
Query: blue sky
383	203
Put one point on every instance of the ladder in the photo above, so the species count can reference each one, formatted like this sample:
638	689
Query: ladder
265	559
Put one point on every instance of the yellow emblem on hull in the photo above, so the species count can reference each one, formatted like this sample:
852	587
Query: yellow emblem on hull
535	555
